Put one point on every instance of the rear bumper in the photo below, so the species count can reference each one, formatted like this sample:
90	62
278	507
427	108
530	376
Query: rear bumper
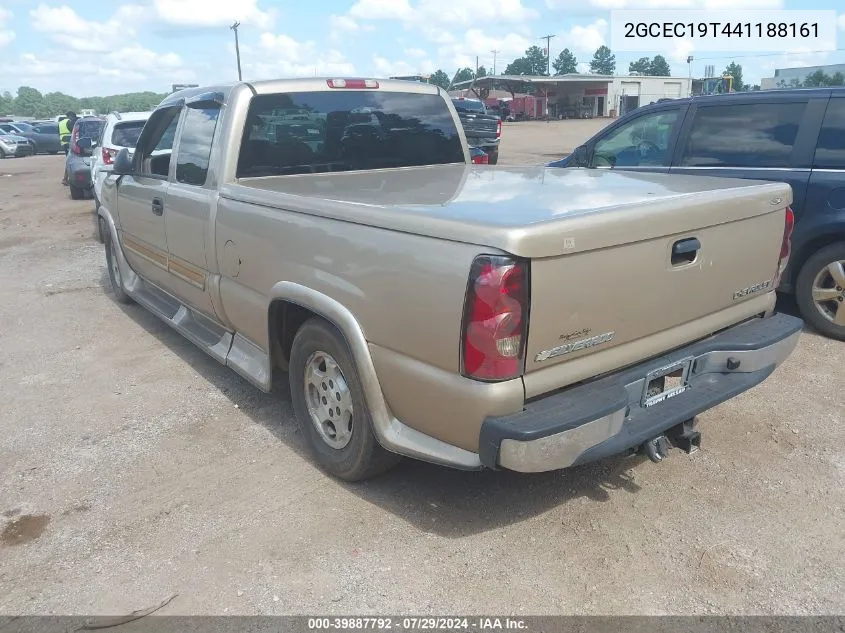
20	150
81	178
606	417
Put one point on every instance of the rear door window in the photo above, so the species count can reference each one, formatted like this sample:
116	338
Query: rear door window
126	134
830	151
346	130
92	128
47	129
743	135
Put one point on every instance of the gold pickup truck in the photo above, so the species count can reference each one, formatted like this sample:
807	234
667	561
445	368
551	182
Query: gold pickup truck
471	316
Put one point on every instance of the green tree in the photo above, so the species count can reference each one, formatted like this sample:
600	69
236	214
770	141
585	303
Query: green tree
837	79
659	67
6	102
603	62
816	80
482	72
440	78
565	64
735	70
642	66
29	102
464	74
534	62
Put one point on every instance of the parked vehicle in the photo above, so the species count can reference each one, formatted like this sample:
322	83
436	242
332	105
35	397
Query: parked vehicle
482	130
84	138
794	136
121	130
14	146
44	138
521	317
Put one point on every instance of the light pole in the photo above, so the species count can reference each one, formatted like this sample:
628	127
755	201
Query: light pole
495	52
548	39
689	66
234	27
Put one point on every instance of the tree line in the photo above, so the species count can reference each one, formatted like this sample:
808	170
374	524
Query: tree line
30	102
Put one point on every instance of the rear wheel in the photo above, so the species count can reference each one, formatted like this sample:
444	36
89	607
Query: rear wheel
493	157
820	290
76	193
330	406
111	263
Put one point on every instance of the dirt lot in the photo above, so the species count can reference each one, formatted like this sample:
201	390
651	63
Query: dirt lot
134	467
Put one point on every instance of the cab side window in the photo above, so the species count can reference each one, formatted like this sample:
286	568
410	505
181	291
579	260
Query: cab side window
744	135
195	145
156	143
830	151
641	142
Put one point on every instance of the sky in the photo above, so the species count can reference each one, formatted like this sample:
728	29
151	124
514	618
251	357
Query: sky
103	47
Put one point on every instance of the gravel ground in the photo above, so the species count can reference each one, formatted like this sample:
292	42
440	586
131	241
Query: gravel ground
134	467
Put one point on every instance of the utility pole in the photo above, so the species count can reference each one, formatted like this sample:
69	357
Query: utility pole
234	27
476	65
495	52
548	53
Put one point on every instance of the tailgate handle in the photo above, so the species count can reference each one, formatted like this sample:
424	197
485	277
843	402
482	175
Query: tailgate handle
685	251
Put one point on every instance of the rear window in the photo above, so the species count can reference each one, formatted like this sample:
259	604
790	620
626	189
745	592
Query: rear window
346	130
468	105
830	151
91	128
126	134
744	135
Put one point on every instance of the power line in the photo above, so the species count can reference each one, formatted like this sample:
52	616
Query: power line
785	53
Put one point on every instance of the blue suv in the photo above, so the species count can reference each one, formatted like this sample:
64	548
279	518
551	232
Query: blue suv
792	136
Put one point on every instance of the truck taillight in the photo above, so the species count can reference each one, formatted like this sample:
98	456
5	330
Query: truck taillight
495	318
108	155
499	128
481	159
74	137
352	84
786	242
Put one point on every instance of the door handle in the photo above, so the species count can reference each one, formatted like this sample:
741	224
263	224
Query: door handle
685	251
158	206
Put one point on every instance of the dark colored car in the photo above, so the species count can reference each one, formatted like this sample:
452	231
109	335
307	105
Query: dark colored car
792	136
83	139
482	130
12	145
43	136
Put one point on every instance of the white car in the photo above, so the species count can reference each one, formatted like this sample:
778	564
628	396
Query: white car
122	130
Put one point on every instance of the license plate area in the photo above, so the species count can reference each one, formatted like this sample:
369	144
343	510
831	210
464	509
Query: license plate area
666	382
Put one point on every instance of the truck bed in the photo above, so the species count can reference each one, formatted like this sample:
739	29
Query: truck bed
530	212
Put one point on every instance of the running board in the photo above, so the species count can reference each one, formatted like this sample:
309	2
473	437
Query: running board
232	350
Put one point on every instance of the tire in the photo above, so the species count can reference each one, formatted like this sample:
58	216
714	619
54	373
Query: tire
493	157
820	291
76	193
111	264
349	450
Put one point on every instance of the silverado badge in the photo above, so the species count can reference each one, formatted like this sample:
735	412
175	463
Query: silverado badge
566	348
744	292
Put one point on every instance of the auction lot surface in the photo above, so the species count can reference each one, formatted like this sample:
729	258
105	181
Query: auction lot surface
134	467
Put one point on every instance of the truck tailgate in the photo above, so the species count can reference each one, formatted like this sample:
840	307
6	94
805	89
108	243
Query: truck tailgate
479	125
595	300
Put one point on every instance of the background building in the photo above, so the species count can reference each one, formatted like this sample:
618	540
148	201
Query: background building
785	77
581	95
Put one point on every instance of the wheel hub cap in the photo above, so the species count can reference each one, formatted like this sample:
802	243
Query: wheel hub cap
329	400
829	292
